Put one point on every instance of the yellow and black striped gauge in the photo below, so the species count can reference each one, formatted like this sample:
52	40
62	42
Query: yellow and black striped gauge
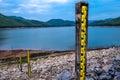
20	57
81	39
28	59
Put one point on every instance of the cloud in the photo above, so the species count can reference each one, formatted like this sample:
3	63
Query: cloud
3	3
57	1
16	11
33	8
37	6
49	1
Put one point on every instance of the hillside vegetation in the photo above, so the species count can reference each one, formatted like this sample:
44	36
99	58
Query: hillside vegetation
14	21
107	22
18	22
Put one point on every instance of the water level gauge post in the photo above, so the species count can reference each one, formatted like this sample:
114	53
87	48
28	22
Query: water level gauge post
81	39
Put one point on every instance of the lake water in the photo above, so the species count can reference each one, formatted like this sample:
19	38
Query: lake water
62	38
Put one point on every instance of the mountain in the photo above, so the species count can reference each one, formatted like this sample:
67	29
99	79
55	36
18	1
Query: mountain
91	21
16	22
107	22
60	22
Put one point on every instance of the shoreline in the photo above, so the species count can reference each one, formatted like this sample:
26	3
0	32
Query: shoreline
57	27
5	54
33	27
99	48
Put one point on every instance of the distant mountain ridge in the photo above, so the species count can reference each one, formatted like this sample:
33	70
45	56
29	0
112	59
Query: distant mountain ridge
107	22
60	22
18	22
14	21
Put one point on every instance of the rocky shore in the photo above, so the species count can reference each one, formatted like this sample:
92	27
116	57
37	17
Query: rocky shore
103	64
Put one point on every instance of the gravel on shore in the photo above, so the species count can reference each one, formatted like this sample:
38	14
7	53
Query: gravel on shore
103	64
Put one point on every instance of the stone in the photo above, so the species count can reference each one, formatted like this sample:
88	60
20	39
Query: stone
106	68
117	73
117	78
105	76
116	64
98	71
111	72
64	75
89	78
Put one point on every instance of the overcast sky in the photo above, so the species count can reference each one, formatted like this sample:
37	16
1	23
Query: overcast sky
64	9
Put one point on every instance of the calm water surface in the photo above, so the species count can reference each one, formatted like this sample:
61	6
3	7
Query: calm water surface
62	38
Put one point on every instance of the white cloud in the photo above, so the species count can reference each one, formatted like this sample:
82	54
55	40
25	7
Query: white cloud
37	6
57	1
34	8
49	1
16	11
